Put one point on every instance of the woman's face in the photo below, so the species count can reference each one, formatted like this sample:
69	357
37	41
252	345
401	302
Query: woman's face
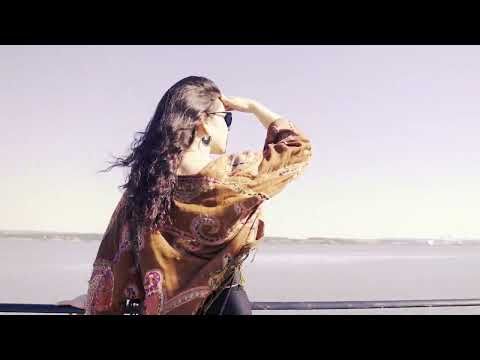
217	129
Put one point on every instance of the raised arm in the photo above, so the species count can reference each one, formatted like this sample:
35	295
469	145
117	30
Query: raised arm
285	154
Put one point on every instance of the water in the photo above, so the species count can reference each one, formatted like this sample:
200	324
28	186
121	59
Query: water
46	271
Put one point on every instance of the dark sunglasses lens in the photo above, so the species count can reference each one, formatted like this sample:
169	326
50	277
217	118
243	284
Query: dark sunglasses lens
228	119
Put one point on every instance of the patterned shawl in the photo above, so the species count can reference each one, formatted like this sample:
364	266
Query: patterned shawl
217	220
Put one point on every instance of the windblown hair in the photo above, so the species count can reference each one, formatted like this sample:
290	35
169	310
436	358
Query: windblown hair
156	154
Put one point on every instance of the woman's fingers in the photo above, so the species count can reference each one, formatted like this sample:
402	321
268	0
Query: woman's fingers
236	103
226	103
228	107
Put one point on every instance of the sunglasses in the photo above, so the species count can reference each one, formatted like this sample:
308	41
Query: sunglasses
227	117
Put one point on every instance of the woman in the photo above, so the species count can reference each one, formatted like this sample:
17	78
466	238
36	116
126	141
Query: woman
185	223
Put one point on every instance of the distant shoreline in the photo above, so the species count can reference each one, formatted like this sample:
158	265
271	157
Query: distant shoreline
77	236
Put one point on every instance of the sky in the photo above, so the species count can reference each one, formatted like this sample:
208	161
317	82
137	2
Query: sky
394	129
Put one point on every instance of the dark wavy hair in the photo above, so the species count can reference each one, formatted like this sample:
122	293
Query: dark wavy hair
156	154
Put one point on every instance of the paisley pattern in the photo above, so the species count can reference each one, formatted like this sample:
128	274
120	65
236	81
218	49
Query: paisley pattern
190	187
216	278
154	297
238	208
294	169
217	222
240	187
140	240
185	297
100	290
124	243
155	302
206	229
242	208
191	245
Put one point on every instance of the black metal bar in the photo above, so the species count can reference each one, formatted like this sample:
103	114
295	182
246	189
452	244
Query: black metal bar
333	305
40	309
286	305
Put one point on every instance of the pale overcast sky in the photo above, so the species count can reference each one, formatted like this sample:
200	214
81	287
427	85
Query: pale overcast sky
395	131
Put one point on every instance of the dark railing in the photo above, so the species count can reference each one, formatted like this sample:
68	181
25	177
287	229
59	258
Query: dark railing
298	305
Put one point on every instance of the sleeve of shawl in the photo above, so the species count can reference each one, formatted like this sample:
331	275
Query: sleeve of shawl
114	231
100	294
286	153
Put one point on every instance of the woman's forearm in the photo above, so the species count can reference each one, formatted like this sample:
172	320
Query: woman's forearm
264	114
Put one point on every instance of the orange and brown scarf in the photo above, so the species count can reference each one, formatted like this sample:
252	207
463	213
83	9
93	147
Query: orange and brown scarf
217	221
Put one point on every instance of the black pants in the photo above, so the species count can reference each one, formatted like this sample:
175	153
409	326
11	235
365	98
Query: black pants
237	302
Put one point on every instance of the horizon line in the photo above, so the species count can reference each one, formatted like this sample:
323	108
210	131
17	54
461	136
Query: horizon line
444	238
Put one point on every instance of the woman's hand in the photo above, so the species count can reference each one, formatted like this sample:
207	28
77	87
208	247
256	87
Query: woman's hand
264	114
78	302
238	104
